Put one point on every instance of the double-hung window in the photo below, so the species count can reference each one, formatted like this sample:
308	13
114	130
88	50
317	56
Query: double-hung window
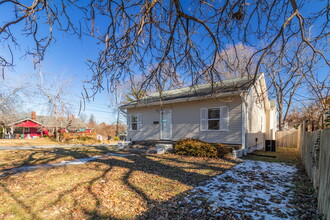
134	122
214	119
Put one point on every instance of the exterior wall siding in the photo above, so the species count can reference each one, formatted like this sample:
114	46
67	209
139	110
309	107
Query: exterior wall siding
149	130
256	126
186	121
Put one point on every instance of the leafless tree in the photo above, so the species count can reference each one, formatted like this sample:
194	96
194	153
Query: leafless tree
116	100
292	75
148	36
233	62
91	122
59	106
8	99
319	90
82	117
310	114
286	75
12	93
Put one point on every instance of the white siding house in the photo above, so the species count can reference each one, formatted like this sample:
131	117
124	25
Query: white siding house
239	113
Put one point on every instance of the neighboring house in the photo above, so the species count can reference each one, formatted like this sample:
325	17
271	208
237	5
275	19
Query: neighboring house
26	128
36	126
235	111
71	124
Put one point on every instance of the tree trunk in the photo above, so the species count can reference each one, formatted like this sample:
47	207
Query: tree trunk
117	123
280	121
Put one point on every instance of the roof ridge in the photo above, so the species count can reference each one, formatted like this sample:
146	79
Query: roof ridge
235	79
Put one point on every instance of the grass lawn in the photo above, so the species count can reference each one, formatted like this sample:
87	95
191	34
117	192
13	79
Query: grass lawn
28	142
10	159
111	187
46	142
285	155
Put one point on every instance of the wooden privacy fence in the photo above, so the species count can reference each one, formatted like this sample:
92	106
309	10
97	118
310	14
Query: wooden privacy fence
314	148
287	138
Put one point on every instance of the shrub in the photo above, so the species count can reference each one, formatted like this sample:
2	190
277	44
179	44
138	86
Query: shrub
116	138
198	148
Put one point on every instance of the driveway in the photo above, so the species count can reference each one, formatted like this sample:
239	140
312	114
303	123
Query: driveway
52	146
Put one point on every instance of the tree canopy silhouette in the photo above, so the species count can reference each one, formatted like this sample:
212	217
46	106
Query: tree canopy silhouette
187	38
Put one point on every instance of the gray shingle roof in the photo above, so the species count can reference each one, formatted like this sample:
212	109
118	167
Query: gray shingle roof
198	91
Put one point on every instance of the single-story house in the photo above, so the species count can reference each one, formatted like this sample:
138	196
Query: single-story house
235	111
35	126
27	128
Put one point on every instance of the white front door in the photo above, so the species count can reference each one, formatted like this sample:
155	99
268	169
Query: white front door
166	124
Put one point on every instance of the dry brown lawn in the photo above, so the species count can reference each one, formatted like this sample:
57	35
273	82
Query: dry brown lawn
285	155
112	187
28	142
10	159
47	142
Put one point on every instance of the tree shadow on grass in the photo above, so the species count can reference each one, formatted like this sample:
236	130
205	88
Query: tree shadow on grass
142	164
54	154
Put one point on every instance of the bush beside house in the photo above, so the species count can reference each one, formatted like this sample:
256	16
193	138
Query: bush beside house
198	148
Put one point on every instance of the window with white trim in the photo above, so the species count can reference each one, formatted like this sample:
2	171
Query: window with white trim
214	119
26	129
134	122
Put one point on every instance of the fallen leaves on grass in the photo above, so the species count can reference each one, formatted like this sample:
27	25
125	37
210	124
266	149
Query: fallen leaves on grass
251	190
112	187
305	198
12	159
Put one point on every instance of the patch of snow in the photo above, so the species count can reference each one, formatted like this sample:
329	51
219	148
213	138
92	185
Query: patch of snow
261	190
62	163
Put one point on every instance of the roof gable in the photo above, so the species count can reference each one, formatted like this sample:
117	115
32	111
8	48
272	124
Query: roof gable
27	123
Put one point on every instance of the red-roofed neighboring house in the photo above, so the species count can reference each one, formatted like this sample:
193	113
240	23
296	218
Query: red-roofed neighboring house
37	126
27	128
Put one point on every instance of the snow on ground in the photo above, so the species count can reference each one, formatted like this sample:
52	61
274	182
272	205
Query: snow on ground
252	189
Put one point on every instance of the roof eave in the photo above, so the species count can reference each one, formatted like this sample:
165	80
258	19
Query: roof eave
179	100
25	119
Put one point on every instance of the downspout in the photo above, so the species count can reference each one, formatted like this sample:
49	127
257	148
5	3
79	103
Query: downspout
244	119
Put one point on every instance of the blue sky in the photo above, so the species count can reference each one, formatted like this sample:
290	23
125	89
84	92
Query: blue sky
66	58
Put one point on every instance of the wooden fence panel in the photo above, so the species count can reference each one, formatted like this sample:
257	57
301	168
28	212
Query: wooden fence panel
324	173
309	155
315	153
286	139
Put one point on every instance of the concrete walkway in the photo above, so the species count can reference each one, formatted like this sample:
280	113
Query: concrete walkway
53	146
